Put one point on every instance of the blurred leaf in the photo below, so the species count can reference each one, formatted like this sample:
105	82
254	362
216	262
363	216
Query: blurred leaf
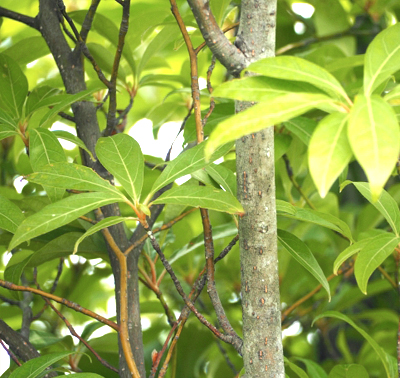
33	368
201	196
41	339
13	271
299	371
348	371
86	375
281	145
27	50
302	254
42	96
260	116
44	149
329	151
189	161
60	213
322	219
374	137
382	58
313	369
372	255
302	127
7	121
11	215
122	157
383	356
14	87
298	69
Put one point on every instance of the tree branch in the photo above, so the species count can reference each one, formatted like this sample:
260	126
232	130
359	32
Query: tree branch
30	21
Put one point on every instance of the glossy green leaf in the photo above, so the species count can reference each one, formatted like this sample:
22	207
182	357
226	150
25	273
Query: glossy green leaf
60	213
11	215
44	149
307	215
262	115
372	255
72	176
13	272
302	254
260	88
302	127
382	58
6	120
329	151
189	161
223	176
296	369
61	134
122	157
348	371
201	196
374	137
350	251
298	69
34	368
42	96
104	223
14	87
383	356
385	204
66	102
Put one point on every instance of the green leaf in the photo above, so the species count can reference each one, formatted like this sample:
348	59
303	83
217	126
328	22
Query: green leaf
382	58
6	120
223	176
260	88
104	223
302	127
329	151
322	219
384	357
14	87
282	143
348	371
60	213
313	369
33	368
72	176
66	102
44	149
201	196
41	97
86	375
372	255
188	162
299	371
298	69
13	272
122	157
61	134
385	204
262	115
11	215
349	252
374	137
302	254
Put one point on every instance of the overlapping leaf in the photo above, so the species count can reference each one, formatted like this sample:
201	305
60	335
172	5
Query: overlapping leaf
374	137
262	115
60	213
223	176
72	138
302	254
329	151
122	157
11	215
189	161
349	252
201	196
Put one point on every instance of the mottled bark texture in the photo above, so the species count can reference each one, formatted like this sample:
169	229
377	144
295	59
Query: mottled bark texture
262	336
71	66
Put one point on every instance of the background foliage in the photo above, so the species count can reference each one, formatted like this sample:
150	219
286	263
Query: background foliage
351	335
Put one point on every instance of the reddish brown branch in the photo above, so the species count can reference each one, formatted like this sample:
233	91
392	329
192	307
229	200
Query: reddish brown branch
11	354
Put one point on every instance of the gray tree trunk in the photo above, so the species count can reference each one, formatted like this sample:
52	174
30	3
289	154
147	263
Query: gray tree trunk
262	337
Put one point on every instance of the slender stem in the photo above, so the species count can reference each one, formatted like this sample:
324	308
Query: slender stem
63	301
30	21
11	354
87	23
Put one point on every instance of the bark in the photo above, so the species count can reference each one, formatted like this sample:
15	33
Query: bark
262	340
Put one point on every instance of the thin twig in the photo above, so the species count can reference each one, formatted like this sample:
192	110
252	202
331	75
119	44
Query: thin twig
87	22
30	21
10	353
65	302
210	90
9	301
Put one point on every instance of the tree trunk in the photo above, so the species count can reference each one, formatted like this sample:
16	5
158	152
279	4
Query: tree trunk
262	339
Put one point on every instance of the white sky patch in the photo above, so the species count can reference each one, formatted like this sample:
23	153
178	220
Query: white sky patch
6	258
293	330
19	183
31	64
202	83
5	360
62	126
303	9
299	28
